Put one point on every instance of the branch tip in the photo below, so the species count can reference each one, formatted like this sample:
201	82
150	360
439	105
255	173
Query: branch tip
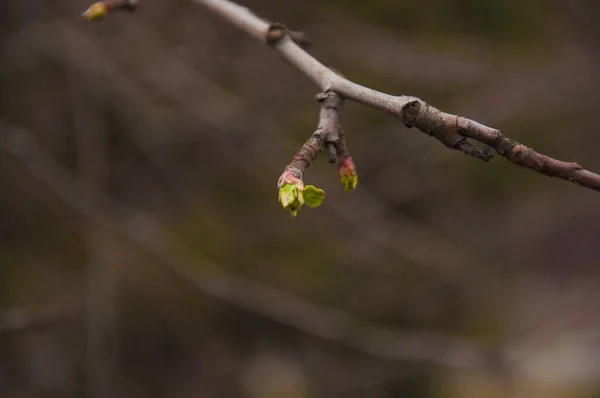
100	9
95	11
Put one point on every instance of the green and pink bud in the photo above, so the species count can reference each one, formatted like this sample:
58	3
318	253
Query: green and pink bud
293	194
347	171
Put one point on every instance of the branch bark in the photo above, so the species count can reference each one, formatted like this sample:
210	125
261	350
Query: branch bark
450	130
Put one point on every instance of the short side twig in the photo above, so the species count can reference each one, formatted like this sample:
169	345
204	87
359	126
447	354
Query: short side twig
329	134
330	123
100	9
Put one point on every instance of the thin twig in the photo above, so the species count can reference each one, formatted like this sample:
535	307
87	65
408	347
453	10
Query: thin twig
326	323
325	136
101	268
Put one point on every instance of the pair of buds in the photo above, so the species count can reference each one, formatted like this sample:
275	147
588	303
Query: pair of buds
293	193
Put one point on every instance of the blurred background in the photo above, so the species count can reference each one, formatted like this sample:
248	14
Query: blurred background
143	252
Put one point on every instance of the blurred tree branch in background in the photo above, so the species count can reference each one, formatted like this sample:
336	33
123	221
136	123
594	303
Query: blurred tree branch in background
29	319
328	324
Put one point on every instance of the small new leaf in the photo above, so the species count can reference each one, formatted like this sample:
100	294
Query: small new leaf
313	196
288	194
291	198
349	182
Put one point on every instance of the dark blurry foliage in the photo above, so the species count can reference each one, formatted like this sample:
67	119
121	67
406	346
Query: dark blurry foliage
498	21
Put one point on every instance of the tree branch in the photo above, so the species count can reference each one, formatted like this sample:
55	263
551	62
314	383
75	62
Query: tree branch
450	130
